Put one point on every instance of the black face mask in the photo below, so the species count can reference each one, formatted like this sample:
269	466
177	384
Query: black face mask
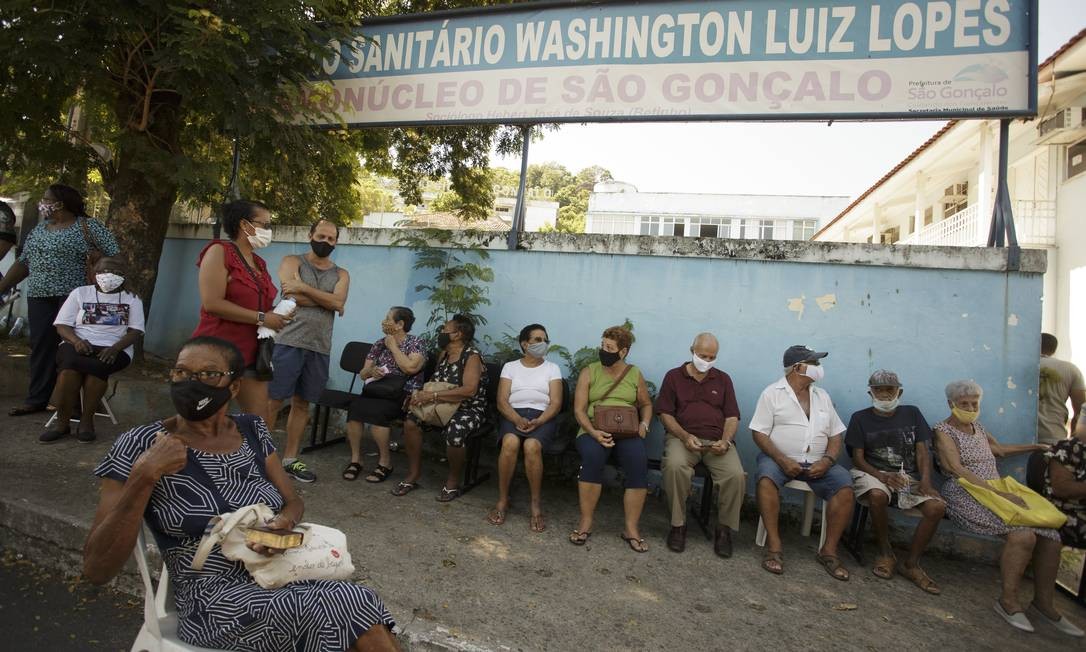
608	358
443	339
321	249
195	401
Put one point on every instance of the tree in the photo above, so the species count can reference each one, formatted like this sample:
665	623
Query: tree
372	196
165	88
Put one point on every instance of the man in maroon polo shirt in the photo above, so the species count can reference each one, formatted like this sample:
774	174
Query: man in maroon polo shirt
698	409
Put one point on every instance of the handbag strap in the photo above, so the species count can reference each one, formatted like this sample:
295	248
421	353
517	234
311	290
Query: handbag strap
88	237
221	527
616	384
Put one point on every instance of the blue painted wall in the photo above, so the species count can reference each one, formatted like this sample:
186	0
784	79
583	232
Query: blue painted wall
929	325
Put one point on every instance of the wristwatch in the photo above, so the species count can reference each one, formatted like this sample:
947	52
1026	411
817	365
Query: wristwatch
259	318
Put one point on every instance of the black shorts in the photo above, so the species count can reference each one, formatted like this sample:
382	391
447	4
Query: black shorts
70	359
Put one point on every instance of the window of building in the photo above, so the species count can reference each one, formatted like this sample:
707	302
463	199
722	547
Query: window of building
613	224
929	215
767	229
673	226
650	226
955	198
1076	159
804	229
710	227
890	236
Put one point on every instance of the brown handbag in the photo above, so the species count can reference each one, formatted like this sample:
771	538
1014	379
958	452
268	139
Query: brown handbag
94	252
619	421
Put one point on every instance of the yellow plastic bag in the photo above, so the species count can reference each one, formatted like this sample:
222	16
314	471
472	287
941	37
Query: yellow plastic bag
1038	512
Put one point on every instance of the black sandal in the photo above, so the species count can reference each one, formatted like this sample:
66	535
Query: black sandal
380	474
353	470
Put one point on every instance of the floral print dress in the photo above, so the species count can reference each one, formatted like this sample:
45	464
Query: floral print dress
1071	453
963	509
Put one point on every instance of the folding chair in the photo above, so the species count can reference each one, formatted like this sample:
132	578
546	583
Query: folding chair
351	360
104	410
159	630
808	514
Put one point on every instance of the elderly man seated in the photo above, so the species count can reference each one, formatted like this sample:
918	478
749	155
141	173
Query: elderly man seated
799	433
698	409
889	444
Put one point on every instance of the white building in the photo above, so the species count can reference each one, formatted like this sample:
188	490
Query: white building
943	193
537	214
618	208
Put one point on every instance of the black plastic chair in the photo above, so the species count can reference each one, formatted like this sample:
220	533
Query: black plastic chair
351	360
474	443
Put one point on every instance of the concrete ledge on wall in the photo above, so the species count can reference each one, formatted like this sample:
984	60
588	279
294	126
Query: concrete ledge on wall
798	251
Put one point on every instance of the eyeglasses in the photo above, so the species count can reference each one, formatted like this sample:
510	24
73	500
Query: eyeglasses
210	377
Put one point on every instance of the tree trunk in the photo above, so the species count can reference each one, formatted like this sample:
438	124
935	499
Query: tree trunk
139	215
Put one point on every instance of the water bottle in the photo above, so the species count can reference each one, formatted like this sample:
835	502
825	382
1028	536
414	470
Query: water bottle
283	308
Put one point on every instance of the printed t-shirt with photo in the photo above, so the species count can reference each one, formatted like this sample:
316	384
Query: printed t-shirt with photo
101	319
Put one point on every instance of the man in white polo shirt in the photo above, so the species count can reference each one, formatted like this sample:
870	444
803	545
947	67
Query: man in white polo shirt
799	434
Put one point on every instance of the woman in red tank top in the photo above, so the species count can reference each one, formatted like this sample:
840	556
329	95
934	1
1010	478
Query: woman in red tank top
237	293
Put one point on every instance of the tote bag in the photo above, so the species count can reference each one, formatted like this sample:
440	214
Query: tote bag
1038	512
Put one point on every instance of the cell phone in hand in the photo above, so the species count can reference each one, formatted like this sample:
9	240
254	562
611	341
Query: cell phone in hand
706	443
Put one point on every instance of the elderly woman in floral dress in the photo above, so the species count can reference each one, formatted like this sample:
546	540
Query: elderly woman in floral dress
966	450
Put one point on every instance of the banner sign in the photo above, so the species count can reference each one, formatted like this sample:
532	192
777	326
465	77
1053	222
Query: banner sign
677	61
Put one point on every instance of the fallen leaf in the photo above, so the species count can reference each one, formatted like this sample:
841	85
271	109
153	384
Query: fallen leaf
845	606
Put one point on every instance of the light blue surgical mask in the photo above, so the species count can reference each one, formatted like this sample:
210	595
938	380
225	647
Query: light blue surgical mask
538	349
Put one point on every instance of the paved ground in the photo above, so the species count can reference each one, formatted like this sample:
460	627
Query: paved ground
451	578
42	609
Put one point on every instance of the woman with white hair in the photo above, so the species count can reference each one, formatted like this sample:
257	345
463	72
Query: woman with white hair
966	450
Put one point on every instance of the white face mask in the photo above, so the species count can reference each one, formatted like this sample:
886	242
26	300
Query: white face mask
814	372
109	281
885	406
701	365
261	238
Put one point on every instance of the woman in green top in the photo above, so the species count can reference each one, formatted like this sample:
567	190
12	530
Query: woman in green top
598	381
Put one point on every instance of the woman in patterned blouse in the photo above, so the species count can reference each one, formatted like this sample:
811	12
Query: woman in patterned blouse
1065	483
54	259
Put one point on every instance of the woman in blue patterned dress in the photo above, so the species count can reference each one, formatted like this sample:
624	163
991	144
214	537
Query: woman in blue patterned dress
176	474
54	258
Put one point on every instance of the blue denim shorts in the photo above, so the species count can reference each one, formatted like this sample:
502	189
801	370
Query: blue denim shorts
826	487
544	433
297	372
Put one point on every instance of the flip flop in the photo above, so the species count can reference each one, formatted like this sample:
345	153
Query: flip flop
447	495
538	523
495	516
353	470
832	564
404	488
630	541
579	538
26	409
381	474
773	556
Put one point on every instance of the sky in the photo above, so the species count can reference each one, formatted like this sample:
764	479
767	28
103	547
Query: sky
844	158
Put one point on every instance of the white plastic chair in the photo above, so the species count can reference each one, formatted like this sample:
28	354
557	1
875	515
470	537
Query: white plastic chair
159	631
104	410
808	514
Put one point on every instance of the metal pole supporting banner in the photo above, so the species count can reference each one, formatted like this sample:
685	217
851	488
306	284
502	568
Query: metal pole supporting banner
521	206
1002	231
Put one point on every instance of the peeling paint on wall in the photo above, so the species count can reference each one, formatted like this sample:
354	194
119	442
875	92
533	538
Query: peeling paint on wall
1010	383
796	306
965	315
826	301
1012	320
987	348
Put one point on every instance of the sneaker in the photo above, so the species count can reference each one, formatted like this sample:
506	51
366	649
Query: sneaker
298	470
51	436
85	436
